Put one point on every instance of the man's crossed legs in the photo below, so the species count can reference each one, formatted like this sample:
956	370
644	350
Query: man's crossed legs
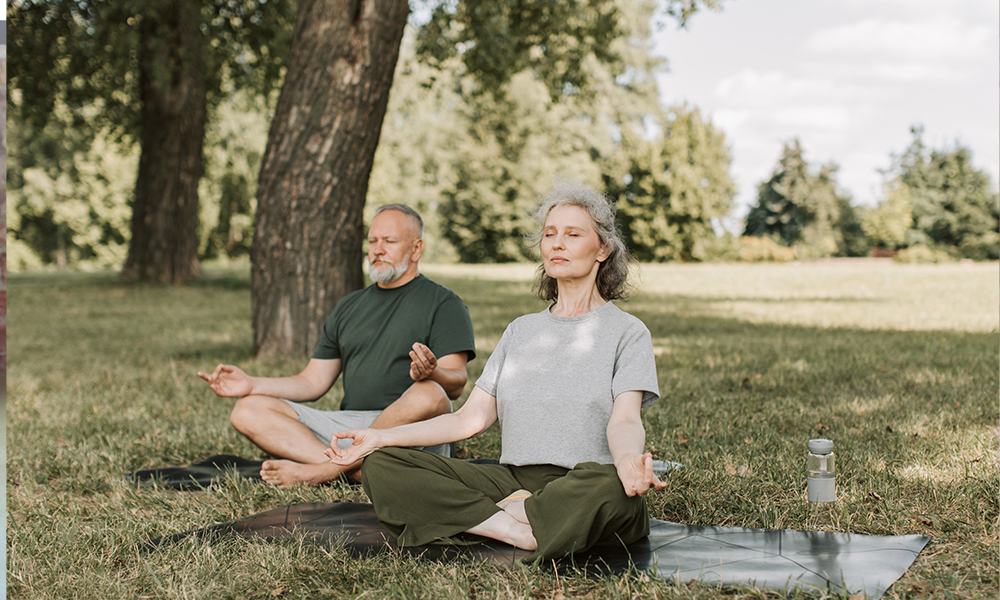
297	435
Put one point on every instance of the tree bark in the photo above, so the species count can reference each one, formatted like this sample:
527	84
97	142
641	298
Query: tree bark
174	92
308	229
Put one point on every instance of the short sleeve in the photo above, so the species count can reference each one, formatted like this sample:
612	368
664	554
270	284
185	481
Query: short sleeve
635	365
452	329
327	347
490	378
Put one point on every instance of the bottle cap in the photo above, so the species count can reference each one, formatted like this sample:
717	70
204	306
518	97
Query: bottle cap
821	446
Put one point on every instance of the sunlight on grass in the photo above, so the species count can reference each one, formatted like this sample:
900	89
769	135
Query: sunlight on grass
897	364
866	294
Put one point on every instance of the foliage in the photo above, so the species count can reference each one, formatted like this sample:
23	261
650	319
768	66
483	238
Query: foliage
519	144
670	190
954	204
234	145
763	249
70	193
920	253
750	366
610	132
800	208
82	53
496	40
117	71
886	225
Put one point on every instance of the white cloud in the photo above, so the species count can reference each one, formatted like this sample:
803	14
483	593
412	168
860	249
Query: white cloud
932	40
753	88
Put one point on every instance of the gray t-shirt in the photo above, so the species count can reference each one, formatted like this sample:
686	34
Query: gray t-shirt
555	380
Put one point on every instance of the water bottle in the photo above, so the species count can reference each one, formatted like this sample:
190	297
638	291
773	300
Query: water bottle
821	486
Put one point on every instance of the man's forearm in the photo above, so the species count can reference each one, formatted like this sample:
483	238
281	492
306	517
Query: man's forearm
295	388
451	380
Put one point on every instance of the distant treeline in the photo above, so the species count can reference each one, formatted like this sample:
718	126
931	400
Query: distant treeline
475	163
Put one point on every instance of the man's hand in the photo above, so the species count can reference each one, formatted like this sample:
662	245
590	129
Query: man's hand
366	441
229	382
636	475
422	362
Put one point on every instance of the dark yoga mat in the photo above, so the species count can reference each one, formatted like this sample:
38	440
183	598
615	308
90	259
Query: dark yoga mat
214	468
199	475
771	559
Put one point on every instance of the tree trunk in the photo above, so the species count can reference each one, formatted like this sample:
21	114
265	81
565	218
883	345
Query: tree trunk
314	176
173	91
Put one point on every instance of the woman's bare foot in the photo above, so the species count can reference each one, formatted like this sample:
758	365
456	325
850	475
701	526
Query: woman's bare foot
513	505
287	473
505	528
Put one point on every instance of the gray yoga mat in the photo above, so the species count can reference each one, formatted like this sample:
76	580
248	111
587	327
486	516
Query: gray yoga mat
727	556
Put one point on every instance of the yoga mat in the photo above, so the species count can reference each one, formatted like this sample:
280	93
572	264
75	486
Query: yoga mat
200	475
770	559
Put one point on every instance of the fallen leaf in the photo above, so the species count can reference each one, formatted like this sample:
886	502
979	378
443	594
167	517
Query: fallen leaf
730	470
277	591
888	428
883	368
746	382
875	496
747	441
683	439
922	519
859	596
821	427
559	595
60	442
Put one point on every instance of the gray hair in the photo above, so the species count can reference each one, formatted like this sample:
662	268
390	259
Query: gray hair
406	210
612	274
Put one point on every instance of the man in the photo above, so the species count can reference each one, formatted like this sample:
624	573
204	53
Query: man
401	343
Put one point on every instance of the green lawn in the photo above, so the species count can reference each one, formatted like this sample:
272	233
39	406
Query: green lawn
898	364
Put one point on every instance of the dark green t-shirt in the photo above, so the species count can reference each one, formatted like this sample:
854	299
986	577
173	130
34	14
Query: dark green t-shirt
372	331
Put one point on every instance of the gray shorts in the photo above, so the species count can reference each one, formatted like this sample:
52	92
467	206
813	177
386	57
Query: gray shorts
324	423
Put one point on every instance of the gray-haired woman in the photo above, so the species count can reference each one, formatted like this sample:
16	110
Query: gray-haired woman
566	385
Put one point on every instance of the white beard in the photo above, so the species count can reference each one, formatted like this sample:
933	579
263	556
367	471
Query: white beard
389	272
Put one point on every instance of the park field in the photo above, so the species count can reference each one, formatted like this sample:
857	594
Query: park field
898	364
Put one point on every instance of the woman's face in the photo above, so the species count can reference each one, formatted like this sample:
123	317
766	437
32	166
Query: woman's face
571	248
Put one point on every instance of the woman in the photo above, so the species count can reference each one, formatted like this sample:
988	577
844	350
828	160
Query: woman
566	385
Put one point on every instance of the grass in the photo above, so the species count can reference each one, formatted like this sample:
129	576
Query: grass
897	364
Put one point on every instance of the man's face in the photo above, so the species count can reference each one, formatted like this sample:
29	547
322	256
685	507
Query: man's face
391	243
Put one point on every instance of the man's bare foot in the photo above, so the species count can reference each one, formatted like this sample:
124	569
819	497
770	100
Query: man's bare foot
287	473
513	505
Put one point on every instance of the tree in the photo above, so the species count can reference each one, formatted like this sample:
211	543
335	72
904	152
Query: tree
153	68
798	208
308	229
670	189
886	225
954	204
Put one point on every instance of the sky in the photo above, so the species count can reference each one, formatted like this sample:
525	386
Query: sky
848	78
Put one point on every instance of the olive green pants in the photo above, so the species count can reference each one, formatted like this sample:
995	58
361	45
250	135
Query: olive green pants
423	498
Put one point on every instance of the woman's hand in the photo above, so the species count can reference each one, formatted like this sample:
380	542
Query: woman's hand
366	441
636	474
